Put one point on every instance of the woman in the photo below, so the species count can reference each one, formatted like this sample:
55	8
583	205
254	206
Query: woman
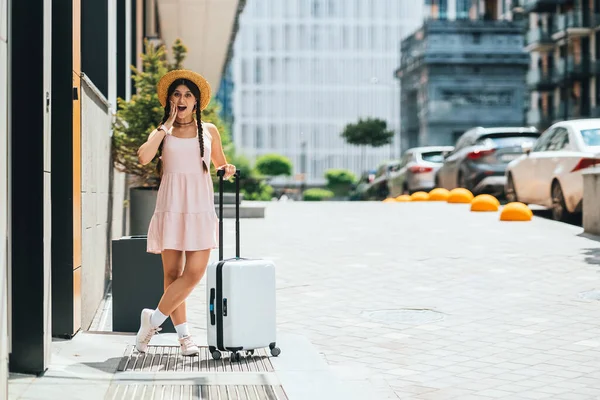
184	225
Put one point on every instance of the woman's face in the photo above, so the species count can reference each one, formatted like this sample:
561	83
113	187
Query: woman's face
184	100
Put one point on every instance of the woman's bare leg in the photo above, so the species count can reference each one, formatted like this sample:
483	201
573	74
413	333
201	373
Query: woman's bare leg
179	290
173	269
173	297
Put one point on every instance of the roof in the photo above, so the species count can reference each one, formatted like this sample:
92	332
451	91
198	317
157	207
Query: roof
507	129
424	149
580	124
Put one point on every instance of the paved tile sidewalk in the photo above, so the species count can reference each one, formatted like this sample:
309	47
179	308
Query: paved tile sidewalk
429	300
516	321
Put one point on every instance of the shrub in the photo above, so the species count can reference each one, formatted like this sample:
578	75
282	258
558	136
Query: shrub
273	165
340	181
317	194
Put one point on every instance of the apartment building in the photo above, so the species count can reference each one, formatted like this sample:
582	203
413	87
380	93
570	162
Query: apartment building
563	40
303	69
464	67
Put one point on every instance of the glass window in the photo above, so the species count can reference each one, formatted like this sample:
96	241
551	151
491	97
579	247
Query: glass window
258	71
559	140
591	137
462	9
272	137
433	156
510	140
544	140
245	136
259	137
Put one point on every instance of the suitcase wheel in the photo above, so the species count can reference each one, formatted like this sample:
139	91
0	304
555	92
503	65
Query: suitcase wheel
235	356
216	354
275	351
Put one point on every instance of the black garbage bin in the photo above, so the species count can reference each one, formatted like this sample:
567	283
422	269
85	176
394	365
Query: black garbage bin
137	283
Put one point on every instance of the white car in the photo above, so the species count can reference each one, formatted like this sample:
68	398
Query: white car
550	173
417	170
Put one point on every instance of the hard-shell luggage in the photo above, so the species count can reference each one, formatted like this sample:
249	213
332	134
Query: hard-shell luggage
240	297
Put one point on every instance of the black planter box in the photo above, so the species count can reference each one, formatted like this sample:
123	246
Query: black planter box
137	283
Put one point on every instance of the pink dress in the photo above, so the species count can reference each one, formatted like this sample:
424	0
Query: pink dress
184	217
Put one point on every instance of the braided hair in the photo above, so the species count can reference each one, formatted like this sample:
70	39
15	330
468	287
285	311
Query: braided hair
196	92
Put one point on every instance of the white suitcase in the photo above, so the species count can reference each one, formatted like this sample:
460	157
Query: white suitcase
241	298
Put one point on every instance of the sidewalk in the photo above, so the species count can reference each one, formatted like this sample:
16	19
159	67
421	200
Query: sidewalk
105	366
387	301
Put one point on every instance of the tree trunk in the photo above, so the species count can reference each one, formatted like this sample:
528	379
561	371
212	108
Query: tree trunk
362	158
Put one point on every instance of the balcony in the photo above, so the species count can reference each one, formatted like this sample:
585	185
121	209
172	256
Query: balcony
540	80
537	118
539	40
539	6
568	69
569	110
574	23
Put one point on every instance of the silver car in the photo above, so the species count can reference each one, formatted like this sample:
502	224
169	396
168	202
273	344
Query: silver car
417	170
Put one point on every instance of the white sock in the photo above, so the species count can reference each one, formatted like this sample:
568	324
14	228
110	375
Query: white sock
182	330
157	318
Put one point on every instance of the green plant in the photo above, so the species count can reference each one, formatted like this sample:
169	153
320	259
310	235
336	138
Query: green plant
316	194
273	165
369	132
340	181
257	189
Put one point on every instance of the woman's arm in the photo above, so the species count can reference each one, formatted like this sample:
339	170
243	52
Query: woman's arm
148	150
217	153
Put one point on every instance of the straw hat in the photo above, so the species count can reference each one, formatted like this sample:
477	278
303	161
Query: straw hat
163	85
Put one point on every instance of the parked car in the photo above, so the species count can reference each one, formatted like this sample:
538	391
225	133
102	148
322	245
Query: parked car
378	188
359	192
550	173
417	170
479	159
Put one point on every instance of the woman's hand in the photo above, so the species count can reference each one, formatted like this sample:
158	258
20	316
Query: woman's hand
229	170
172	116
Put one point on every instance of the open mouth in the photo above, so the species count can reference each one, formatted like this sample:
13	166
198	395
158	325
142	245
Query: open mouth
181	108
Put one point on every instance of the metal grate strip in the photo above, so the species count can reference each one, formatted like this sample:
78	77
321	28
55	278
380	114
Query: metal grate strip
194	392
169	358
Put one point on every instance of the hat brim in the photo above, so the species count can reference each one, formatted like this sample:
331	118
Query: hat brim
165	82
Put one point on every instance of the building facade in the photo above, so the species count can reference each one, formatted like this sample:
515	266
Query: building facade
302	70
464	67
564	43
63	63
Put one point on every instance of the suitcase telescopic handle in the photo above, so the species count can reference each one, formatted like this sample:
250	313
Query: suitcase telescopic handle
221	174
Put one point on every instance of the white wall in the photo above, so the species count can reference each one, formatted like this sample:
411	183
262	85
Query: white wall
102	212
3	200
47	181
591	201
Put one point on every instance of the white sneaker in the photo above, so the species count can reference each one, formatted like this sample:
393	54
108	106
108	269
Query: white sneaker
188	347
146	331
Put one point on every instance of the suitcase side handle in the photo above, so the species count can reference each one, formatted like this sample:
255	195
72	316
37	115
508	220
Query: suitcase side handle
221	174
212	307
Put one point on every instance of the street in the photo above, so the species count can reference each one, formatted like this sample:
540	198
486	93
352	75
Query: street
431	301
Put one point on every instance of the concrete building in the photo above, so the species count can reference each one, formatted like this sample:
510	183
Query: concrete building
564	43
62	65
464	67
302	70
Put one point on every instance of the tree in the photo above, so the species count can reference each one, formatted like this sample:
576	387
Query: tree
179	53
369	132
273	165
